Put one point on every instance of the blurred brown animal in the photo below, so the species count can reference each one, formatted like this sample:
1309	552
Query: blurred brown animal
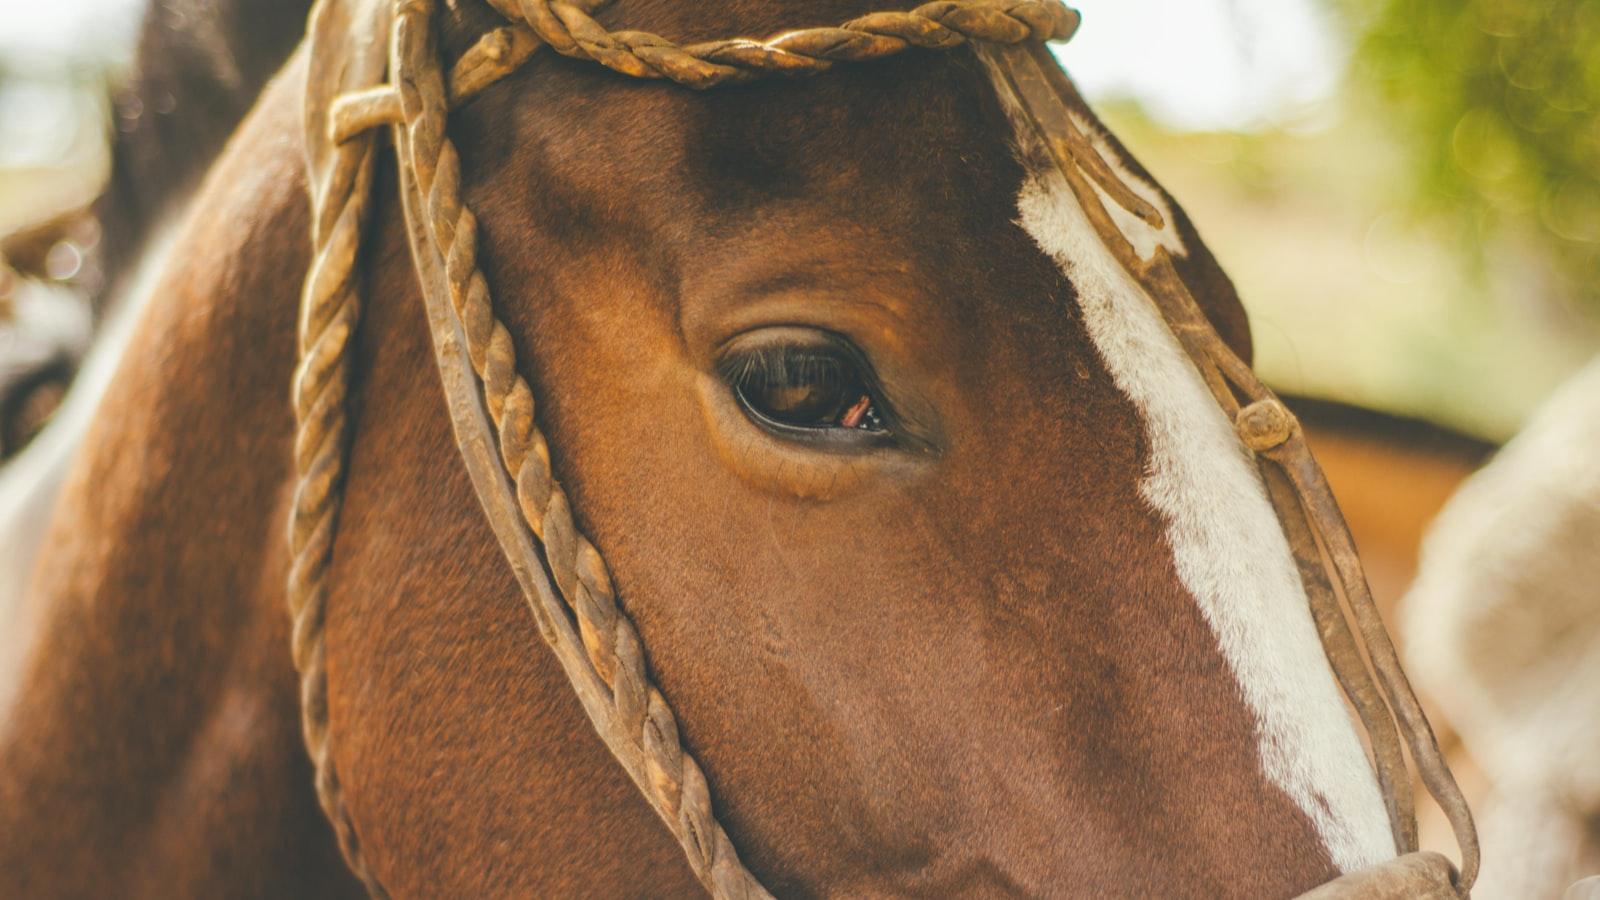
1392	475
198	68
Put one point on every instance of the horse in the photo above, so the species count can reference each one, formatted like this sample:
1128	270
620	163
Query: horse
957	577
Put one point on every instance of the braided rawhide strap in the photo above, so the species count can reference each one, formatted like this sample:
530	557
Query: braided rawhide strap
570	31
604	659
491	404
340	180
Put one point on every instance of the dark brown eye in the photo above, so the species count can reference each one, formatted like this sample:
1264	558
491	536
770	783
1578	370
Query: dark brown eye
803	387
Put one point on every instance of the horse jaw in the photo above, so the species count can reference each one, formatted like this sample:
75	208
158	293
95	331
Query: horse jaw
1228	548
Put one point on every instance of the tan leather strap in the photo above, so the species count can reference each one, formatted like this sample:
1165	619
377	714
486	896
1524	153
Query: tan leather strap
491	408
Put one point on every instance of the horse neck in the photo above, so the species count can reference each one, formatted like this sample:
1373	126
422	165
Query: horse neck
155	743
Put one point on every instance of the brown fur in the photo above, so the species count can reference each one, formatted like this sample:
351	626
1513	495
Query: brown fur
967	672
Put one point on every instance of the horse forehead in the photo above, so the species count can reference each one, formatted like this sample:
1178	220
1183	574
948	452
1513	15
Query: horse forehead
913	133
923	130
906	164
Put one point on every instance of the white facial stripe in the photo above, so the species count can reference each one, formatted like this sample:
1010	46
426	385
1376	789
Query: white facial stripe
1228	548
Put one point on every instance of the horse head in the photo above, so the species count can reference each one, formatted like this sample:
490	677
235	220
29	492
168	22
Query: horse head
889	507
955	576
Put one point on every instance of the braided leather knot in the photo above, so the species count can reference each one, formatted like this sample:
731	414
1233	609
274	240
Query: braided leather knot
1265	424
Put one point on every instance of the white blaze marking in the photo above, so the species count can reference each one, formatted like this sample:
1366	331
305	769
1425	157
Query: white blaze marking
1228	548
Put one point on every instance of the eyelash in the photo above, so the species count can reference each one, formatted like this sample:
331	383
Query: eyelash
779	364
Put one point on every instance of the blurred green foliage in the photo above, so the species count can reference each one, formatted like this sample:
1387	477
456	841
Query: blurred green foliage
1501	99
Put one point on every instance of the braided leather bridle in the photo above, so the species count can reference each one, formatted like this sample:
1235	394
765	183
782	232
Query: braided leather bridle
356	44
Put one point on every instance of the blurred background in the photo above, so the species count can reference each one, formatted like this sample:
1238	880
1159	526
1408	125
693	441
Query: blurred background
58	63
1407	192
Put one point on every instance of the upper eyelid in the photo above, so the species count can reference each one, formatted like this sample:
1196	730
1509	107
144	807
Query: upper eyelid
819	341
782	361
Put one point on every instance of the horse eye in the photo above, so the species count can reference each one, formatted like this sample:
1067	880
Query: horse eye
797	387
